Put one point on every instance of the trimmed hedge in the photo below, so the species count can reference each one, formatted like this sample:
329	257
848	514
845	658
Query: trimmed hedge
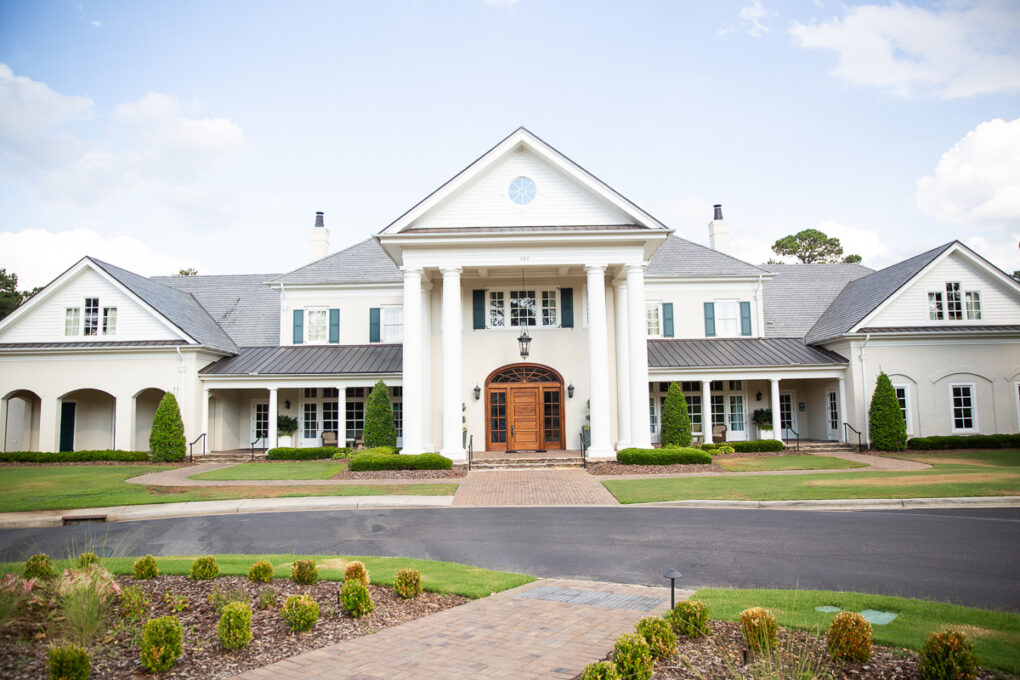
970	441
388	461
665	456
314	453
73	456
757	445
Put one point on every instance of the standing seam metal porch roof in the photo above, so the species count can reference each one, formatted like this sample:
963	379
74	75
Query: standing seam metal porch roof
311	360
737	353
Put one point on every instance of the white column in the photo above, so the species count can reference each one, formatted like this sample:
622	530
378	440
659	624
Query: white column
637	348
706	411
123	424
598	361
341	416
4	413
413	367
207	444
776	431
842	409
426	370
273	410
49	423
622	368
453	446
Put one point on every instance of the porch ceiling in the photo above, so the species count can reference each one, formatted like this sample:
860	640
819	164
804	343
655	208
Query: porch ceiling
738	353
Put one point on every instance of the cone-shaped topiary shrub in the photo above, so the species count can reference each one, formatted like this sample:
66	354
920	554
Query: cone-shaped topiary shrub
161	643
39	566
68	662
146	567
849	637
658	634
234	628
356	571
885	418
676	419
759	628
204	568
356	599
380	427
304	572
300	612
947	655
690	618
408	583
600	670
262	572
167	438
632	657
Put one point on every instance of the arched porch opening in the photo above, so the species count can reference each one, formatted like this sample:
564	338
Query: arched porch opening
524	408
146	403
86	420
21	411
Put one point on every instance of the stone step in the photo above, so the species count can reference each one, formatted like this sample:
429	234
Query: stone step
526	463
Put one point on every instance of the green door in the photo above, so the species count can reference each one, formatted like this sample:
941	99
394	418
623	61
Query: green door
67	426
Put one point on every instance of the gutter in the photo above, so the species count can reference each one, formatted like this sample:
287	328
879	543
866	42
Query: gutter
864	385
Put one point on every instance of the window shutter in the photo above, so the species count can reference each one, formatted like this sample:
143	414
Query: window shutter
334	325
745	318
709	319
667	319
299	326
374	334
478	308
567	305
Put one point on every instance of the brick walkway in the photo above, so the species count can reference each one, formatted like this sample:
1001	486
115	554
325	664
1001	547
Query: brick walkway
508	635
532	487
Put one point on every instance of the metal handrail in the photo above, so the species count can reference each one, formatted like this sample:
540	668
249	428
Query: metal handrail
253	446
584	451
191	447
471	449
796	434
860	441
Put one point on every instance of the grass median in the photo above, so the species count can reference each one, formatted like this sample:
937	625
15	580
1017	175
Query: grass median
955	473
996	635
311	469
55	487
790	462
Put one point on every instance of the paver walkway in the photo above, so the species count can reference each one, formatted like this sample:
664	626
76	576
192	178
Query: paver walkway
546	629
532	487
182	477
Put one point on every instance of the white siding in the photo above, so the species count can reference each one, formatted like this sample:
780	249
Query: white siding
998	304
689	303
45	323
485	201
353	306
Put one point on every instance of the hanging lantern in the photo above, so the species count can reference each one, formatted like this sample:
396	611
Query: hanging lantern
525	343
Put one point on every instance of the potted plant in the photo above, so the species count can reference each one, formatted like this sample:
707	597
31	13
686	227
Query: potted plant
762	419
286	426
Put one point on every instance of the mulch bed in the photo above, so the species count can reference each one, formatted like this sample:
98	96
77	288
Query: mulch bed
614	468
23	644
113	463
720	655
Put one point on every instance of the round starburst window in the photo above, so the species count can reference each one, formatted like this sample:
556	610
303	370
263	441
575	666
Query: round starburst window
522	190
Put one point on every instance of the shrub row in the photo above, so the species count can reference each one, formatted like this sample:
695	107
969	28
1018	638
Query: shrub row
387	461
757	445
314	453
664	456
72	456
972	441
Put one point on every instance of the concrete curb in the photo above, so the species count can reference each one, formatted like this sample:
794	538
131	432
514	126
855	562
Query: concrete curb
848	504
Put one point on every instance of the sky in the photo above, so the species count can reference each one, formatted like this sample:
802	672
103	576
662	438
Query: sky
160	136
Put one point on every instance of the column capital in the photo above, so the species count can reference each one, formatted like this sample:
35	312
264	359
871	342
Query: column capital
450	271
411	271
635	268
595	268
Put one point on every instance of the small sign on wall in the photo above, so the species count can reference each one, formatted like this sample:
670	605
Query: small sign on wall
802	407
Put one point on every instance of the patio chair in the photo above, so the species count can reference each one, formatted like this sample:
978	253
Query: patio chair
718	433
329	438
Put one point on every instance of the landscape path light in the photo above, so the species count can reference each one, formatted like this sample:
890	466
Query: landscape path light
672	575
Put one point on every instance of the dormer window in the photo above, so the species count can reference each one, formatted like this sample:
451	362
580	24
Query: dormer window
93	323
72	321
316	326
109	320
91	316
973	299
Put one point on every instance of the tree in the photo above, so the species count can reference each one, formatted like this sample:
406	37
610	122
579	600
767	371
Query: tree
811	246
380	427
885	418
10	296
166	441
190	271
676	419
1016	274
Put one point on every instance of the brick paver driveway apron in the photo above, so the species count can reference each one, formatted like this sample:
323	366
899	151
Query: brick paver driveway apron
532	487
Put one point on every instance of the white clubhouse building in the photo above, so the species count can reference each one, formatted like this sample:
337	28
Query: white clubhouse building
616	307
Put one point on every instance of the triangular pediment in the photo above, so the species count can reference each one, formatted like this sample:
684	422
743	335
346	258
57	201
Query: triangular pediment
522	183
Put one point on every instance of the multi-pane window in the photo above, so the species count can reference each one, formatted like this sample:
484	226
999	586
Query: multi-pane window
72	320
834	412
392	324
261	421
355	417
736	384
497	417
903	398
551	415
653	319
964	415
522	308
497	309
954	305
785	412
736	413
973	299
311	421
727	318
935	311
91	316
694	409
549	317
718	409
690	386
316	325
398	418
331	415
109	320
653	417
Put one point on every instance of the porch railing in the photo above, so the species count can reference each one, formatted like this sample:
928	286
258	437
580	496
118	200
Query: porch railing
471	450
860	439
795	434
584	451
191	447
257	439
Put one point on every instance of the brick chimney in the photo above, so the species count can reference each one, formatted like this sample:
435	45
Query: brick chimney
719	232
318	239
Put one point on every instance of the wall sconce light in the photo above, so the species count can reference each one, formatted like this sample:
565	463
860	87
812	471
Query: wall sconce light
757	397
286	404
478	392
570	390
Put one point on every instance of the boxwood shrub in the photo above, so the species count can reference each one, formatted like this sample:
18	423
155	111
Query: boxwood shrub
664	456
73	456
757	445
314	453
388	461
971	441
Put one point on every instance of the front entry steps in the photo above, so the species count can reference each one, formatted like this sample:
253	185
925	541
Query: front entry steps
236	456
527	460
823	448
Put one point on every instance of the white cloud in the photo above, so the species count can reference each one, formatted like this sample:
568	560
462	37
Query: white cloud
30	110
956	49
39	256
96	23
753	14
1002	250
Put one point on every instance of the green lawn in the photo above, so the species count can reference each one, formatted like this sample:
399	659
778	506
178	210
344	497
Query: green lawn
310	469
996	635
439	577
790	462
93	486
976	473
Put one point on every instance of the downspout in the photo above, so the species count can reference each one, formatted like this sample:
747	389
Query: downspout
864	388
283	310
758	309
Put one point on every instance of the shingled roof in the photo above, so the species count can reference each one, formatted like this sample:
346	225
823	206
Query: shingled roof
242	304
800	293
682	258
861	297
178	307
364	262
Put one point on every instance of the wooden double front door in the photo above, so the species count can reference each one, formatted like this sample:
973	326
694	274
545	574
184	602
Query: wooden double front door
525	414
